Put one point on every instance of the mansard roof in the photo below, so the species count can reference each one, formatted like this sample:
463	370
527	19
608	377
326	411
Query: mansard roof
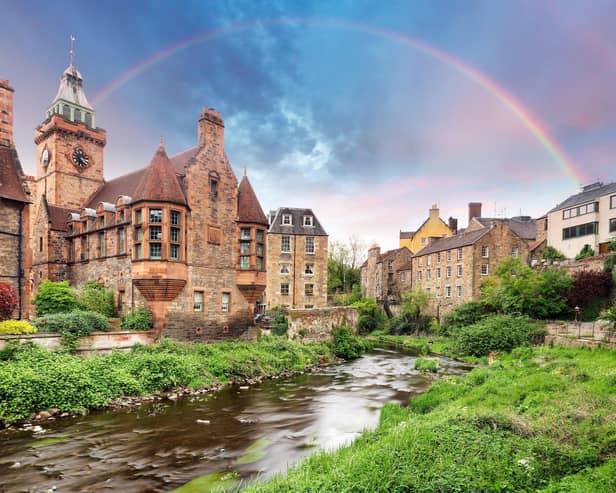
11	175
249	209
159	182
297	223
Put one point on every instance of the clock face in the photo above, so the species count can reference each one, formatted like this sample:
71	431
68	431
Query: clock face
80	158
45	157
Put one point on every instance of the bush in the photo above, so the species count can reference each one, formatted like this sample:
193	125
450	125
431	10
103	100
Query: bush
279	323
73	325
409	324
94	297
551	253
346	345
465	314
138	319
370	316
55	297
494	334
585	252
16	327
9	300
426	364
590	291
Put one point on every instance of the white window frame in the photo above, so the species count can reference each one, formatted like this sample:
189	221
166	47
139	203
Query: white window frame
282	245
419	275
459	291
282	293
459	271
308	221
485	269
447	291
284	269
198	305
287	220
448	271
485	251
310	251
459	254
515	251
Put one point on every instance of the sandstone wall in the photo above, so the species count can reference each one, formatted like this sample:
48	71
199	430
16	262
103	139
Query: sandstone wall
316	325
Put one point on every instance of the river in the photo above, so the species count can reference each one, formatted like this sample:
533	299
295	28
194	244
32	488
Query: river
247	432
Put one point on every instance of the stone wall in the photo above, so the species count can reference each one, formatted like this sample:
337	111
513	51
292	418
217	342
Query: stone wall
198	327
316	325
587	264
11	271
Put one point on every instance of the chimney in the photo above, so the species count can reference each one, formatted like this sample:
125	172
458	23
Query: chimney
434	212
474	210
453	225
6	113
211	129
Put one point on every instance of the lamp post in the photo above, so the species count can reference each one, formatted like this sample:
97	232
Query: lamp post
577	319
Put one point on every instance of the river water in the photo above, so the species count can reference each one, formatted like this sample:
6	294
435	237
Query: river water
249	432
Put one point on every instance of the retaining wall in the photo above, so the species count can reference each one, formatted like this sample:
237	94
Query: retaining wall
317	324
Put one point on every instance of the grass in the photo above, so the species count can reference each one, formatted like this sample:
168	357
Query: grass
426	364
34	379
539	419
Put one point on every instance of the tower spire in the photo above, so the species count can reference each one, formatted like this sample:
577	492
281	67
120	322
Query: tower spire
71	52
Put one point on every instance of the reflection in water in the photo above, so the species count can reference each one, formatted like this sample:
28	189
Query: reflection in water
252	431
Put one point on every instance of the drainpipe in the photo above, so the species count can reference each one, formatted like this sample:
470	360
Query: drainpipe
20	260
294	265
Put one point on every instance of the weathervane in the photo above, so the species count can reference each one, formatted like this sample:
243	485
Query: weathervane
71	53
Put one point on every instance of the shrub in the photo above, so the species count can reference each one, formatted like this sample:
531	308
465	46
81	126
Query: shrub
370	316
55	297
16	327
465	314
409	324
426	364
495	333
346	345
609	314
279	323
551	253
9	300
585	252
590	291
73	325
138	319
95	297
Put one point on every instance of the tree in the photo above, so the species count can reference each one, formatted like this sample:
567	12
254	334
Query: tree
95	297
585	252
551	253
343	265
55	297
9	300
414	302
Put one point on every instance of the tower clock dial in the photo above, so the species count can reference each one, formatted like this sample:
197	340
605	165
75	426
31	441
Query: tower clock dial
80	158
45	157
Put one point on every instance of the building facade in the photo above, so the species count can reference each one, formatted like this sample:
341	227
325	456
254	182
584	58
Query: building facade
432	227
586	218
179	235
297	248
386	276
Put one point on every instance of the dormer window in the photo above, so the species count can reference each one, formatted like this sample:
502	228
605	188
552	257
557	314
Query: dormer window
308	221
287	220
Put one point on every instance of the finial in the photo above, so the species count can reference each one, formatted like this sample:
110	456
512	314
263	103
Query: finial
71	53
161	143
245	174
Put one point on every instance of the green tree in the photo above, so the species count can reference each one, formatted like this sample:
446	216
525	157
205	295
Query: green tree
97	298
585	252
343	265
414	302
551	253
370	316
55	297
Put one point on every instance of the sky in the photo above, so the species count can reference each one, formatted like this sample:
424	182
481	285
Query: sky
366	112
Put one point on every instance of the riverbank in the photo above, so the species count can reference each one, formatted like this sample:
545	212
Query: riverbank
539	419
37	384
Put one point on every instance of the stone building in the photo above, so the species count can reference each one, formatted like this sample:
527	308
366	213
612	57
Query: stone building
386	276
14	210
432	227
297	260
178	235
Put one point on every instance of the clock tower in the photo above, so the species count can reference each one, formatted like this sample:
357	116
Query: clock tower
69	146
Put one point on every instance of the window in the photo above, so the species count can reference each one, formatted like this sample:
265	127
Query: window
485	269
423	241
309	244
419	262
438	272
448	255
390	266
459	291
138	216
175	218
284	289
582	209
287	220
174	252
613	202
448	272
101	244
308	307
428	259
419	275
121	241
156	233
612	225
309	289
122	216
175	235
308	221
484	251
71	251
156	215
245	263
156	251
428	275
121	301
438	258
580	230
259	235
226	302
428	291
245	247
260	264
459	271
260	249
89	119
138	251
245	234
459	254
198	301
285	244
447	291
101	221
515	251
284	268
309	270
40	243
138	234
402	276
213	187
84	248
77	115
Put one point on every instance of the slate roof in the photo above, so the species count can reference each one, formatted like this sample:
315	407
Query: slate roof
407	235
450	242
524	228
297	228
122	185
591	193
249	208
392	253
11	175
158	182
58	216
405	266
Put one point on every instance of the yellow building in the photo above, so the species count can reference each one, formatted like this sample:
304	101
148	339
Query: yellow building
433	227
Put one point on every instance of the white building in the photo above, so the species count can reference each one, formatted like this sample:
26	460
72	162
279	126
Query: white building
586	218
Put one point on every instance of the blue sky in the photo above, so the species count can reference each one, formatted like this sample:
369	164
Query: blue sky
329	108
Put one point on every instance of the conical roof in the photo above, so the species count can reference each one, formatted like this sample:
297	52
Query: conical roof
249	208
71	89
159	183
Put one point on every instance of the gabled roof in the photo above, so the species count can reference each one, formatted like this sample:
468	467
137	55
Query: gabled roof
524	227
122	185
407	235
405	266
181	160
450	242
159	182
392	253
58	217
11	175
248	207
297	227
588	193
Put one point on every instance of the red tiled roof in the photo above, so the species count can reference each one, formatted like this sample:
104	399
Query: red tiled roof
58	216
248	208
180	160
159	182
10	175
534	244
111	190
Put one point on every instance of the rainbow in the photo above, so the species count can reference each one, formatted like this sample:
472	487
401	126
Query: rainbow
514	106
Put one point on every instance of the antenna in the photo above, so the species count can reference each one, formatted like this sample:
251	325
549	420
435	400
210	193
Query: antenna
71	53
